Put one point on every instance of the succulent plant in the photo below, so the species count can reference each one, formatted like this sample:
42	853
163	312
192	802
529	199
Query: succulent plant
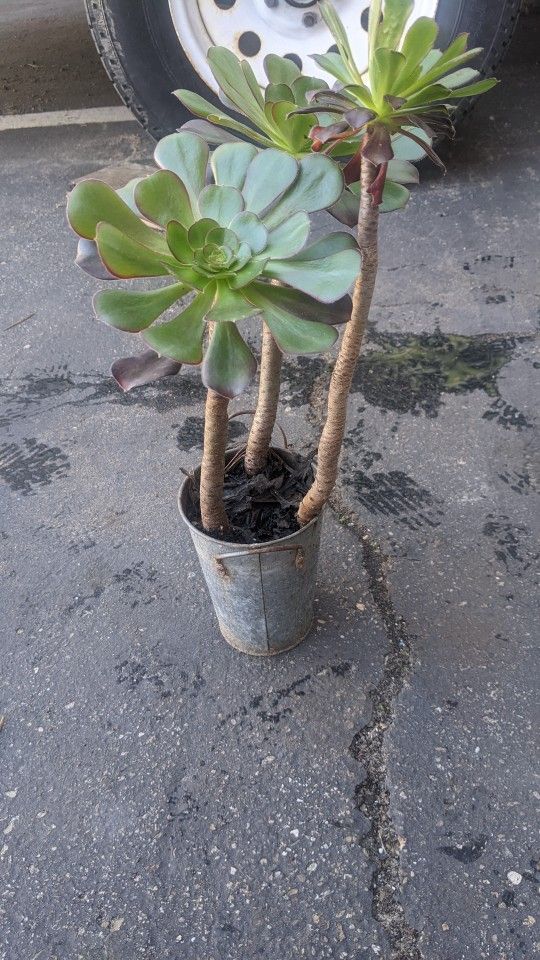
237	243
279	116
406	89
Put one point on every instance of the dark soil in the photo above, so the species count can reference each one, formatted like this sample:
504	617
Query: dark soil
263	507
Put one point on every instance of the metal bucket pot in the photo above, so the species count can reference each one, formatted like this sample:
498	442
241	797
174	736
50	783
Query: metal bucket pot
262	593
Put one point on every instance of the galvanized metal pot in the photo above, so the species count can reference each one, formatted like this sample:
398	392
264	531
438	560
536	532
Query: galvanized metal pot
262	593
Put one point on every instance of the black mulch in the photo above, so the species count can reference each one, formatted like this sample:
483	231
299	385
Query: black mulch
263	507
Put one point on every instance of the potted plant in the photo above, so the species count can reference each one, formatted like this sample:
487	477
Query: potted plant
238	246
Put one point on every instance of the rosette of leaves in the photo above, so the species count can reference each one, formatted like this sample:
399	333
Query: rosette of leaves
279	115
408	88
237	244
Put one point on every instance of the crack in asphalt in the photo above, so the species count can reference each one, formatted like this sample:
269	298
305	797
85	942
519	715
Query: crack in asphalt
382	843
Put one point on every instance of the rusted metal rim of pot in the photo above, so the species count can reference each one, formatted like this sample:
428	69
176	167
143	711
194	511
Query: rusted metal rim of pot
183	494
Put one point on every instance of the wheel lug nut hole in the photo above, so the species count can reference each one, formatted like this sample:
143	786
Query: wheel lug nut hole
249	44
224	4
295	59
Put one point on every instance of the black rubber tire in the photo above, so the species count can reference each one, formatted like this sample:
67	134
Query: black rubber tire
142	55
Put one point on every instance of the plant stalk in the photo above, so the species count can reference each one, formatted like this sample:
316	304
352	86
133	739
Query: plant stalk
260	435
216	420
340	384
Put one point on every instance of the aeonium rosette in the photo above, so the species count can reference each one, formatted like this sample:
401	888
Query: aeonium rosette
237	244
406	91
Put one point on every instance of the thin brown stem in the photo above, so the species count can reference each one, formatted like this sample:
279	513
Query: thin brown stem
264	420
213	515
340	384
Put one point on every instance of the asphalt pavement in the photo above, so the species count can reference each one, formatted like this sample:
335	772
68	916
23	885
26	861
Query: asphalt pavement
373	792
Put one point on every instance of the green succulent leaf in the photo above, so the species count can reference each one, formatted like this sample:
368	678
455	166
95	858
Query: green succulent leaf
133	311
280	69
213	134
339	34
473	89
294	335
229	364
326	278
278	91
125	258
252	83
208	112
293	132
163	197
92	202
279	298
178	243
360	92
249	272
186	154
127	194
401	171
220	203
249	229
395	197
374	24
268	178
384	69
181	339
229	305
318	185
405	149
228	72
334	65
304	85
460	77
396	14
289	238
198	232
418	42
223	237
230	163
326	246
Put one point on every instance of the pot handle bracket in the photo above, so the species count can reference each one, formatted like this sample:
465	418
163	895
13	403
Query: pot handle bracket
299	559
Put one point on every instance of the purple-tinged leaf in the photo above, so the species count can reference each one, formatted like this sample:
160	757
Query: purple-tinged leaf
148	366
377	145
89	260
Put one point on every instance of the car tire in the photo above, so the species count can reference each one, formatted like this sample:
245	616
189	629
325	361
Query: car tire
144	58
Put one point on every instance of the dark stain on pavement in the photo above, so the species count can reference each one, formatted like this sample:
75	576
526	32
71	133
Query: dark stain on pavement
31	464
299	375
409	373
509	538
505	415
395	494
135	582
520	481
190	434
62	388
466	852
132	673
